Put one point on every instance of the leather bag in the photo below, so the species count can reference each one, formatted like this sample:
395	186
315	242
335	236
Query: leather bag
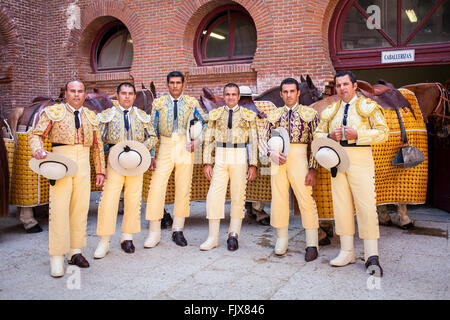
407	156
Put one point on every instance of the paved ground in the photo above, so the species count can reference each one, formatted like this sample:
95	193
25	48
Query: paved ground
415	262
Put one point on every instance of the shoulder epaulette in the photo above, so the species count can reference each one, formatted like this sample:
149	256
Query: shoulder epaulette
330	111
365	106
56	112
247	114
91	116
275	115
160	102
215	114
307	113
106	115
142	115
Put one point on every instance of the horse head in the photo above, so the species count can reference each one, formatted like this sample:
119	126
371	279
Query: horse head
308	91
145	97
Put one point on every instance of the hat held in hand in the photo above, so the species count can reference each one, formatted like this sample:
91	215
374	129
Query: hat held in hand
330	155
129	158
53	167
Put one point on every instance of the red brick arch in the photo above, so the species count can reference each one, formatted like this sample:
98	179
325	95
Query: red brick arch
107	8
189	15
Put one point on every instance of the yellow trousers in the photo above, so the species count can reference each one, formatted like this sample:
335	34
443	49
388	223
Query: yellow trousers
172	154
356	186
293	172
69	203
109	203
230	164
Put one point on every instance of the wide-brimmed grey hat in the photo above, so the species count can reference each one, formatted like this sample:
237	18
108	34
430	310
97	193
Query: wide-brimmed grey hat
330	155
54	166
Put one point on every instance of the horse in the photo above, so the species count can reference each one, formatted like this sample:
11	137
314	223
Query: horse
432	99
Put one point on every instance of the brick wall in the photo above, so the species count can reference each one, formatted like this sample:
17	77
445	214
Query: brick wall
292	40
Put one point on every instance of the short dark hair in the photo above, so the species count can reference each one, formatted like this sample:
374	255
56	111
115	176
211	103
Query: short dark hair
289	81
126	84
231	85
342	73
73	80
175	74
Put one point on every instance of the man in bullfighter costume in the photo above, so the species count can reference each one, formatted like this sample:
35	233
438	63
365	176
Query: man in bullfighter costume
231	131
128	133
356	123
73	132
294	124
170	117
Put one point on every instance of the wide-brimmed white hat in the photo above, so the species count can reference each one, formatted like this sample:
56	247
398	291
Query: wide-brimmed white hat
54	166
330	155
245	91
194	128
129	158
279	140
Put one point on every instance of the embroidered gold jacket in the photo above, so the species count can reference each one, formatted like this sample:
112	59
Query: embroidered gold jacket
300	126
112	127
364	115
243	131
58	123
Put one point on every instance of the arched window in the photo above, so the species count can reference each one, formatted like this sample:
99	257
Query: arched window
361	30
112	49
226	35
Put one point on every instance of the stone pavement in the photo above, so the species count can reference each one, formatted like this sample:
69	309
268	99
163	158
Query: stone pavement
415	263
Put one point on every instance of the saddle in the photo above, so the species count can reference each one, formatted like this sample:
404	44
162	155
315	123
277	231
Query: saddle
385	94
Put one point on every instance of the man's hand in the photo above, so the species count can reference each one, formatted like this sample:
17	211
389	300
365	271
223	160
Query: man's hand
311	177
40	154
252	173
350	134
100	179
278	158
190	146
208	171
153	164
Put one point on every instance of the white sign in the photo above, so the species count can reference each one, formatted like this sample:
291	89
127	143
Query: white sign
397	56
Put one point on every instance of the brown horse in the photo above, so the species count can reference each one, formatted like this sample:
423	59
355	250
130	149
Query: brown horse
434	102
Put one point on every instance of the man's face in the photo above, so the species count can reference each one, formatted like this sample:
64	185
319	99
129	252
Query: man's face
346	90
290	94
126	97
75	94
175	86
231	96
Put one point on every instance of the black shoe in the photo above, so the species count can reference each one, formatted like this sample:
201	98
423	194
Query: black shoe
311	254
324	242
232	243
79	260
166	221
178	238
35	229
127	246
373	266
